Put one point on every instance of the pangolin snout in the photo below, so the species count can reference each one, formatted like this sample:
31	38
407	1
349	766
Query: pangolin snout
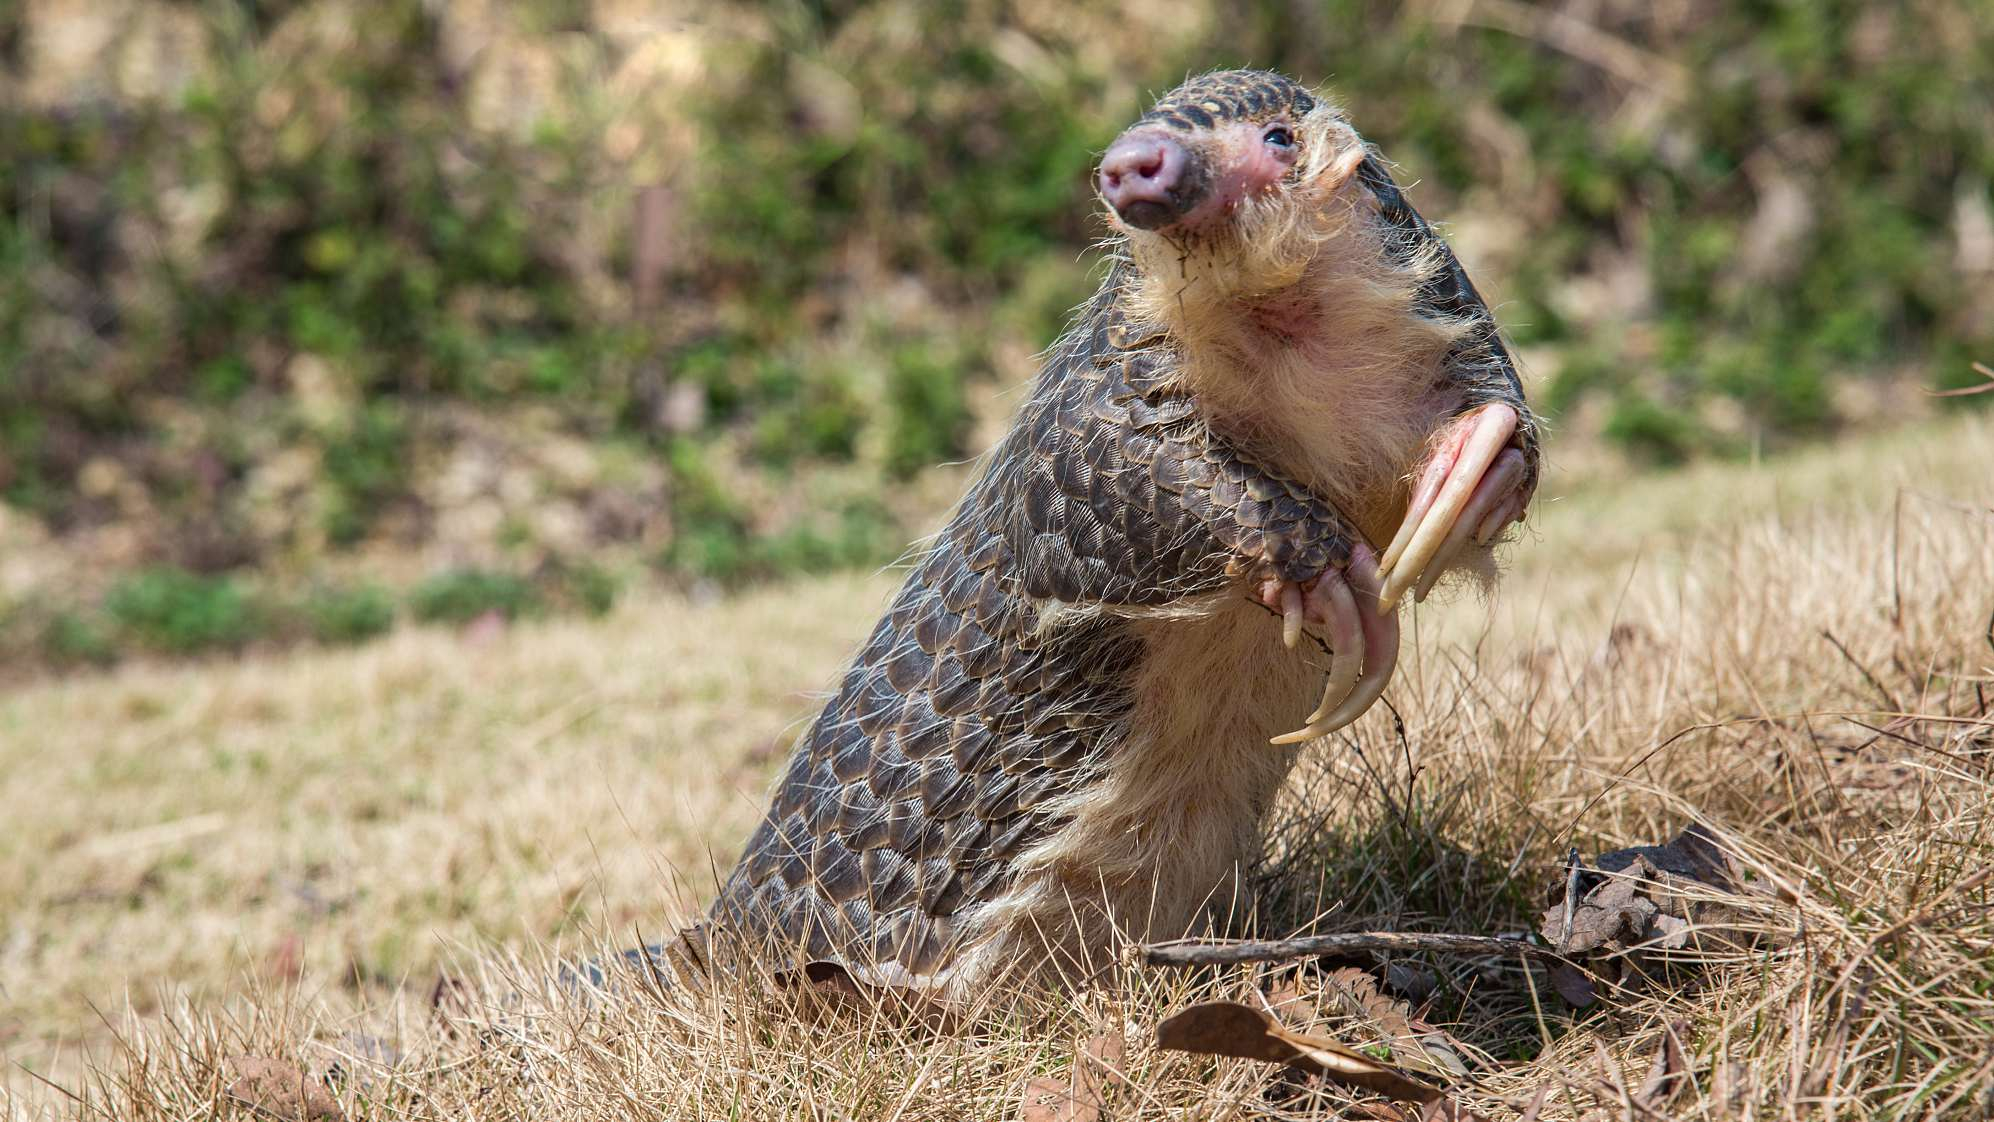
1151	179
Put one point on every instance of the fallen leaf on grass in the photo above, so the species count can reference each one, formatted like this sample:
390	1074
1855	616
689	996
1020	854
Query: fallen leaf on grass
1287	1002
1052	1099
1573	984
279	1089
1412	984
1225	1028
1413	1042
1079	1097
1665	1078
1107	1052
1677	902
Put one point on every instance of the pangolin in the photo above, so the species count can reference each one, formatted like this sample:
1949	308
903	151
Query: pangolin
1069	723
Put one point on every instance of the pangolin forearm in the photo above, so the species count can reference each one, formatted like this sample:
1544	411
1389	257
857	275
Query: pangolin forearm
1120	494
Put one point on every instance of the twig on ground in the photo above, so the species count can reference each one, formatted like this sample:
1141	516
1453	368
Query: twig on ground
1227	952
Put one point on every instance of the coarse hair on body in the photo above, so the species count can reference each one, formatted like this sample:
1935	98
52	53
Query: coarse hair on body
1155	845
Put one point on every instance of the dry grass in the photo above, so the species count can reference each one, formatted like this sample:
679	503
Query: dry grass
278	858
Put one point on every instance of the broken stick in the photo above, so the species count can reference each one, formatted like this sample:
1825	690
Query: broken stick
1227	952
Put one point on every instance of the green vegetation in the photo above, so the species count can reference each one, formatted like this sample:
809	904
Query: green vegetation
256	308
337	614
178	612
462	595
168	611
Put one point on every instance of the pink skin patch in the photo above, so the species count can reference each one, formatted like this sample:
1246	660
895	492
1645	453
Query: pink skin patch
1243	165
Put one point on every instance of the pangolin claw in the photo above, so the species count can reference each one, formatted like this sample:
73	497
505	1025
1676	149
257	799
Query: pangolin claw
1291	614
1494	495
1364	645
1463	484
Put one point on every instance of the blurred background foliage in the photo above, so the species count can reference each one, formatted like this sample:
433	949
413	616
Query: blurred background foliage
317	313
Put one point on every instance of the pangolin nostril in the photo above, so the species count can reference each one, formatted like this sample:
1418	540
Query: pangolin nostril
1143	176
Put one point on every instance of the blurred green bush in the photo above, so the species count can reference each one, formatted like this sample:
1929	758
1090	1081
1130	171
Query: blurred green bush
462	595
260	261
338	614
170	611
178	612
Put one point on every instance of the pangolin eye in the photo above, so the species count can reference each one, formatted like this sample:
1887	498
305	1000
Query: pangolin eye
1279	136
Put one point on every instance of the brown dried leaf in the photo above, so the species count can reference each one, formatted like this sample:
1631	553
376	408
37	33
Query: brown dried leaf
1573	984
1616	911
1609	1068
1078	1098
1051	1099
1357	991
279	1089
1681	897
1106	1052
1412	984
1665	1079
1290	1004
1416	1044
1225	1028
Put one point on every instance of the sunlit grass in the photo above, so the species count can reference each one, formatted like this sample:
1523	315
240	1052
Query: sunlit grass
280	856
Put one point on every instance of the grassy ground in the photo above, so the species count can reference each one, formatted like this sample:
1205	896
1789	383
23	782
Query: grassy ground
281	857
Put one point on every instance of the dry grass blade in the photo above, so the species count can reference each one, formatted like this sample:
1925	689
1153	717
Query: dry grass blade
1666	1077
827	987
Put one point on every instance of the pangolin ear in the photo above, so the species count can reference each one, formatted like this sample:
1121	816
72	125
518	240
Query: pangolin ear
1339	170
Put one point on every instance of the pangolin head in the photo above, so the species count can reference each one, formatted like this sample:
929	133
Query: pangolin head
1216	143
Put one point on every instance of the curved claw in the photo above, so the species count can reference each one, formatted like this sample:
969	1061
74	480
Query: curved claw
1291	614
1492	495
1377	644
1445	489
1369	688
1511	510
1346	640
